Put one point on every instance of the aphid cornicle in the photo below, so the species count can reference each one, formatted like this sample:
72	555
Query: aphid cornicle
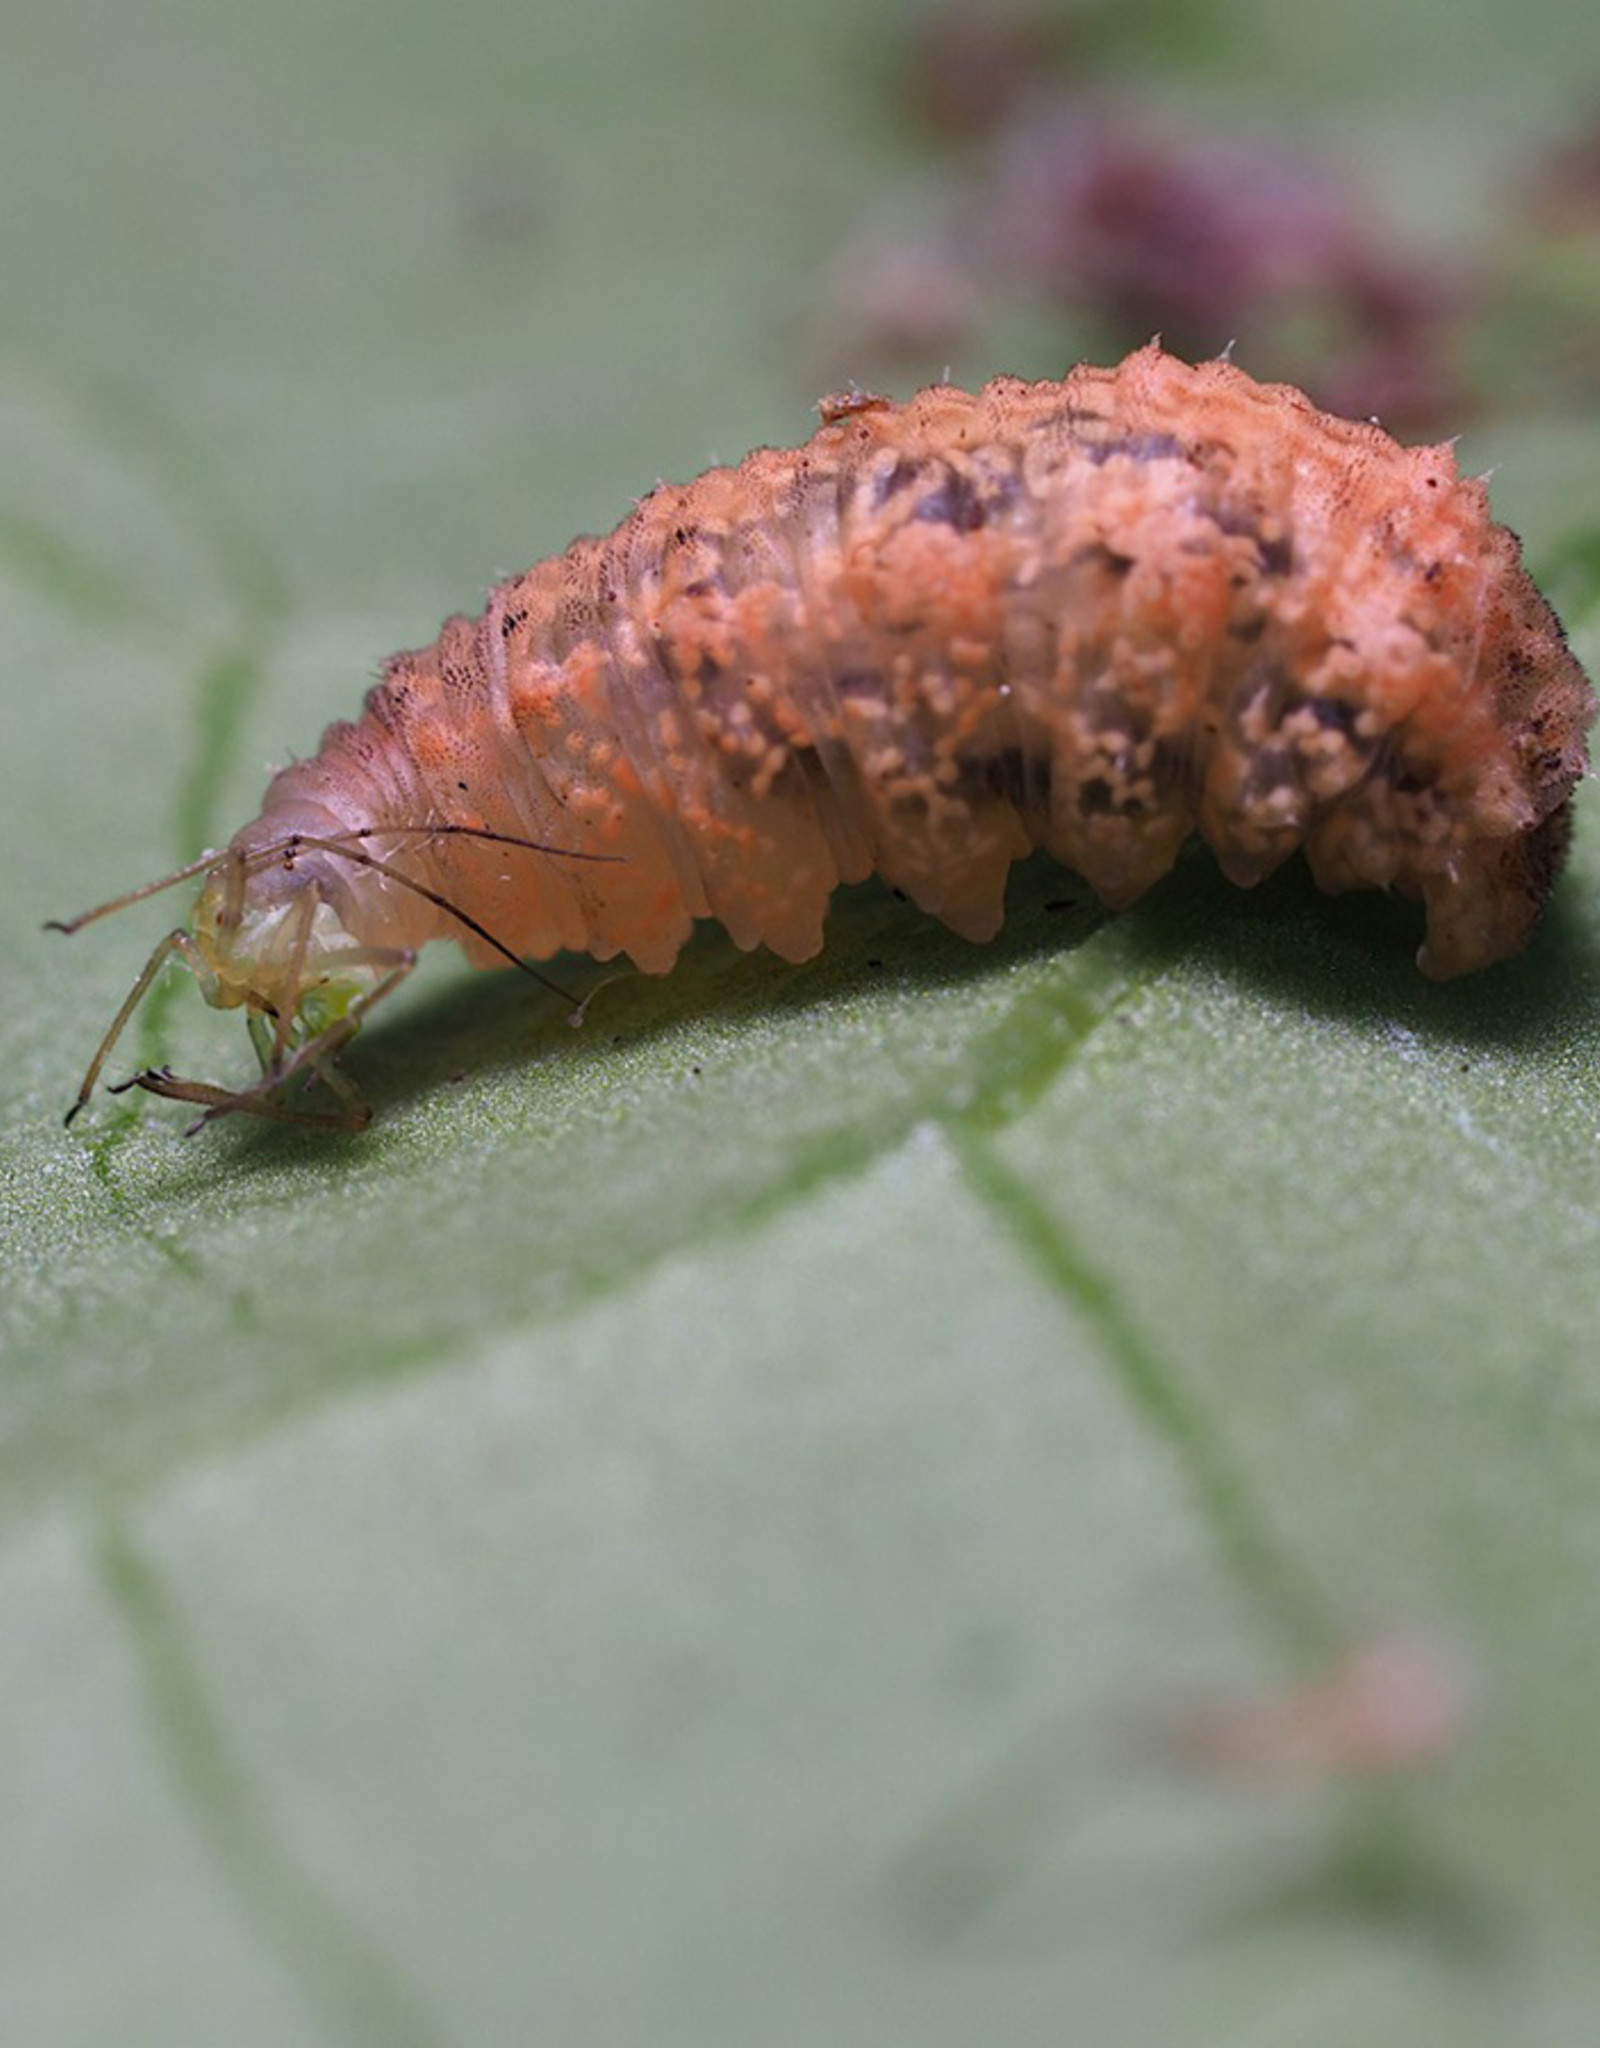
1094	616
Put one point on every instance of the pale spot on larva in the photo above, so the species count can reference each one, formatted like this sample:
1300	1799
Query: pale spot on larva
1093	616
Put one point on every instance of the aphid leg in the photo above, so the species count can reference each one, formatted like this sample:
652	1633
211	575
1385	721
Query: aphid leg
305	913
233	903
316	1055
337	1082
319	1053
219	1101
175	942
258	1024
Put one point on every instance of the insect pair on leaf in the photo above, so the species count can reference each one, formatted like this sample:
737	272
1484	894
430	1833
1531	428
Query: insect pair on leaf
1095	616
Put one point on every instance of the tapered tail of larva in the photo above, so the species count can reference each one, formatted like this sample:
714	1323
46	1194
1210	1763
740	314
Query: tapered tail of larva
1489	906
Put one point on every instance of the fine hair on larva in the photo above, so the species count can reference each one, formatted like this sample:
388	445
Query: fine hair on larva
1096	616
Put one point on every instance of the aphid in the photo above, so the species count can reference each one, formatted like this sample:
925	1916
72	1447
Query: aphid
1093	616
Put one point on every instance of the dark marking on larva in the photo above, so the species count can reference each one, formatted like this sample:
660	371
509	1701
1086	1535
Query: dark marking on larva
1171	762
1140	448
1333	714
1128	722
1274	550
1012	776
1096	797
1097	554
1544	851
900	475
1276	555
955	502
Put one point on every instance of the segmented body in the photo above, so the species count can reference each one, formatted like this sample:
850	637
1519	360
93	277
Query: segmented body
1094	616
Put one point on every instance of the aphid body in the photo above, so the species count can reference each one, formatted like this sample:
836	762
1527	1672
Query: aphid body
1094	616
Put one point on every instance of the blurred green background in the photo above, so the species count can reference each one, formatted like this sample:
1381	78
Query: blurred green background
720	1528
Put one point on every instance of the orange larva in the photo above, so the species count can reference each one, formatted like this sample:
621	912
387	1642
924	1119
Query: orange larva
1095	616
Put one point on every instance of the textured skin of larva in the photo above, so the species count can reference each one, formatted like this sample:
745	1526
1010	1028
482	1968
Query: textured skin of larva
1095	616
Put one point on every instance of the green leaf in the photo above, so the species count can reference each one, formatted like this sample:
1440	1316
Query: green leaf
725	1526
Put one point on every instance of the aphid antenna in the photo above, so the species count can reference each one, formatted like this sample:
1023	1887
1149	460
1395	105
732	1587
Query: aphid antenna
177	941
69	925
265	856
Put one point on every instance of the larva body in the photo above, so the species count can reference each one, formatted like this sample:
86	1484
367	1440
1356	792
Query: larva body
1094	616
